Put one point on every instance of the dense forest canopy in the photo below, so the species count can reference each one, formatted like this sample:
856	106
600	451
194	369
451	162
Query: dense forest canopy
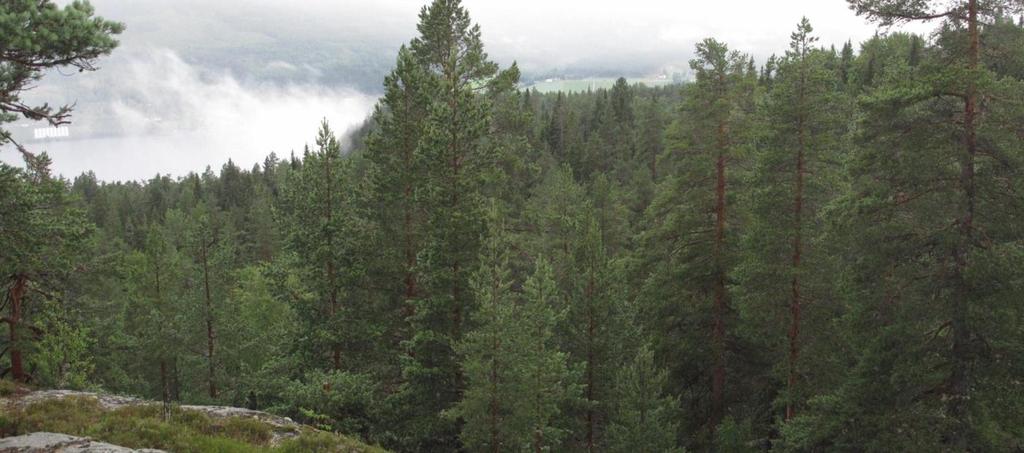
819	252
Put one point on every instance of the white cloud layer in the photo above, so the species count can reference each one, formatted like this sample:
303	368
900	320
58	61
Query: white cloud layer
171	118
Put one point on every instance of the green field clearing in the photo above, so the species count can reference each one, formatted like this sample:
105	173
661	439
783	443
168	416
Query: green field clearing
577	85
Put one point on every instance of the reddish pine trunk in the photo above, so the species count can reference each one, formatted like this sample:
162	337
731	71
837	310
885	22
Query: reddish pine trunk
456	168
407	225
718	334
591	357
495	442
333	292
795	307
210	336
960	379
14	323
410	253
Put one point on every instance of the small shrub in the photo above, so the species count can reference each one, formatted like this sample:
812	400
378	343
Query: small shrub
323	442
314	442
8	426
72	415
7	387
247	430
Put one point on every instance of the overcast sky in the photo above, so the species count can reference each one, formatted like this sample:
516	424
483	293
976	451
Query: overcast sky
197	82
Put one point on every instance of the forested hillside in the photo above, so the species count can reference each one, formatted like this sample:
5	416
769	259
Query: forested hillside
819	252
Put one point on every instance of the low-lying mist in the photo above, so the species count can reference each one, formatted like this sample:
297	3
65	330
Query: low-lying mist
170	117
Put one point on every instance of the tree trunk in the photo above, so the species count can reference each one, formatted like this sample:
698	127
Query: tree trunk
456	168
165	390
332	285
795	307
210	336
495	441
407	224
718	334
17	293
959	385
591	357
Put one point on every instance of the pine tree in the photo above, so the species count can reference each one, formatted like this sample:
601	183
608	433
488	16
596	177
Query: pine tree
397	168
651	141
323	221
928	221
517	379
645	419
691	239
38	36
845	62
793	180
492	352
547	380
450	52
44	237
157	312
595	331
213	252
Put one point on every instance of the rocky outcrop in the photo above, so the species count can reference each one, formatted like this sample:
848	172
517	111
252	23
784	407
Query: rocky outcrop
283	428
61	443
107	401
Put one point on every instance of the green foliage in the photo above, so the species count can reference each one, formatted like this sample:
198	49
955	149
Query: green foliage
62	356
735	437
689	248
645	419
324	226
516	376
785	275
338	401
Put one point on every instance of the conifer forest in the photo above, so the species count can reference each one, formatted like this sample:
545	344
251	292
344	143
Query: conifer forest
822	251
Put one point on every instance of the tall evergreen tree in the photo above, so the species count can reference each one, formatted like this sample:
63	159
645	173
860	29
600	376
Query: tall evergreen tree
691	240
491	352
44	237
450	52
793	180
595	332
323	219
929	219
547	380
